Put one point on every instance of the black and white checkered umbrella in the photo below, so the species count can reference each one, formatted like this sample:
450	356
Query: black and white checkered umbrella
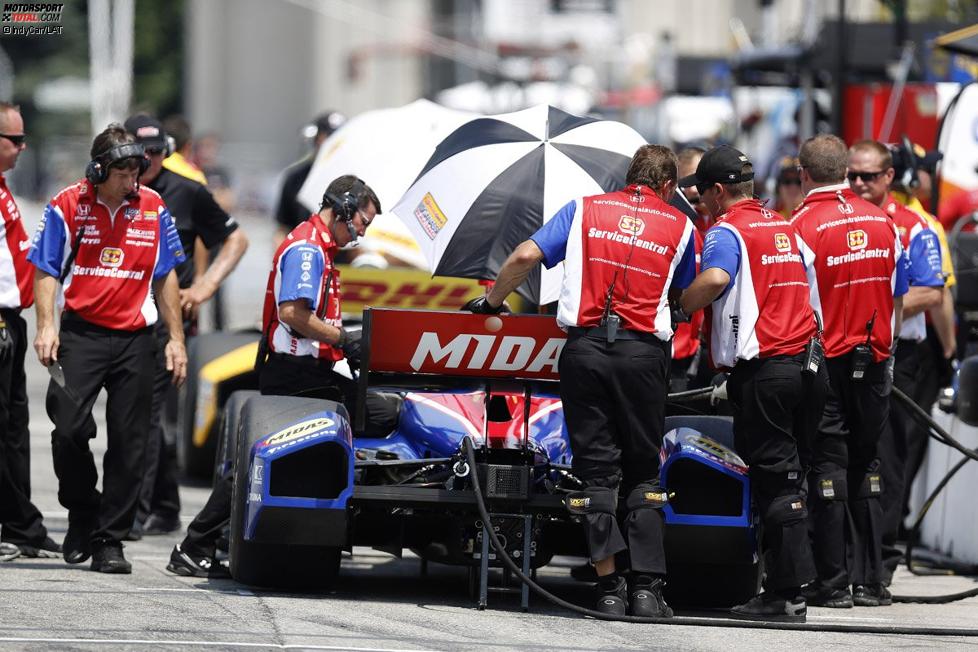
494	181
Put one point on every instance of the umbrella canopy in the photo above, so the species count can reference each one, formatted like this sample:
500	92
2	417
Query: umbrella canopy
495	180
386	148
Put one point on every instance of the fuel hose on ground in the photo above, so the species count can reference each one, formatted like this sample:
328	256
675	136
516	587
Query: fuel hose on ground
469	448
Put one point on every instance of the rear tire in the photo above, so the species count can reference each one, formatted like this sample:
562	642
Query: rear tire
198	461
227	441
279	566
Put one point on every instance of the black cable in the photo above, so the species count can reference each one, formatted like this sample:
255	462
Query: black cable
944	437
469	446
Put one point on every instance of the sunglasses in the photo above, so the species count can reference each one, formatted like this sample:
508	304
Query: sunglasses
17	140
865	177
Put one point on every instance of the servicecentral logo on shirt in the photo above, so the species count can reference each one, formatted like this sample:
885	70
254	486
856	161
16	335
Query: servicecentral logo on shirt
857	239
782	242
631	225
111	257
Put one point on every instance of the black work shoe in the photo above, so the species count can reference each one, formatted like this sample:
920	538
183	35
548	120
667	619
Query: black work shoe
871	595
156	525
647	601
191	565
613	602
78	546
826	596
46	549
8	551
772	607
107	557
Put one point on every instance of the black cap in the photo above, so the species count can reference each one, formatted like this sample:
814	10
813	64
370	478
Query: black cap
721	164
147	130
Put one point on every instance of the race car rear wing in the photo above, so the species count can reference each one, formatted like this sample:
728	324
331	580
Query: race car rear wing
447	350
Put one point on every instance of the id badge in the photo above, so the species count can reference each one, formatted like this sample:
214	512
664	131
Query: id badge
814	355
862	356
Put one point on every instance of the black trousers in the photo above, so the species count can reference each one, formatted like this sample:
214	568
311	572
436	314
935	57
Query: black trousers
776	410
282	376
20	519
614	406
160	493
894	449
843	496
94	357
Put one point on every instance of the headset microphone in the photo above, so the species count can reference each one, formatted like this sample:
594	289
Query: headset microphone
354	236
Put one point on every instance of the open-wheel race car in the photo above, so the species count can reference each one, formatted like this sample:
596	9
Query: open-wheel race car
306	488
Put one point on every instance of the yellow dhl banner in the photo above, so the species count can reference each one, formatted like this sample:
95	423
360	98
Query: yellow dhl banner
406	288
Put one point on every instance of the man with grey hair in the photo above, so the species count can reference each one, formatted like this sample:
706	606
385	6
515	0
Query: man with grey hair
857	275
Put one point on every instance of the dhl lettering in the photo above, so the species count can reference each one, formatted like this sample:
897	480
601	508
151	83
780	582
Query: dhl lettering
512	353
407	295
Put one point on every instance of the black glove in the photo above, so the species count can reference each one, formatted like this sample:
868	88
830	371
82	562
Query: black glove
6	342
480	306
678	316
350	343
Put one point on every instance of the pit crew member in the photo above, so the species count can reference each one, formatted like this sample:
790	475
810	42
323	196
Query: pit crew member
764	331
195	214
857	275
304	336
624	253
23	526
111	246
871	173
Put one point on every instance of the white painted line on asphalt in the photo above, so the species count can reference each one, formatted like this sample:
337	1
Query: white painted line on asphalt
856	618
276	646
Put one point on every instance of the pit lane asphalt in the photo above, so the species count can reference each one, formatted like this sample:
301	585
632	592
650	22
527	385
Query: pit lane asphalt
380	603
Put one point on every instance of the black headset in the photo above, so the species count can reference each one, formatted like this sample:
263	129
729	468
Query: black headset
97	170
345	206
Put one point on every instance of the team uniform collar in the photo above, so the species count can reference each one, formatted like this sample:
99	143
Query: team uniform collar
834	188
325	235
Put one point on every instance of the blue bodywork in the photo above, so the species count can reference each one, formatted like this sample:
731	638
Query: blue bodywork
429	429
313	430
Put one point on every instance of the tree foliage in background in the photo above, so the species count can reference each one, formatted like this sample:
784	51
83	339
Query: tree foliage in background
158	57
157	66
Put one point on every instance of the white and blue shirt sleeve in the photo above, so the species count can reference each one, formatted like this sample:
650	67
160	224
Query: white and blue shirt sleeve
686	269
722	250
171	249
301	273
48	246
902	284
924	256
552	237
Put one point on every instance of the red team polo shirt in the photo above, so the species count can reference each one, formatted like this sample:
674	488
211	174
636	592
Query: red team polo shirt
16	273
855	267
118	255
764	311
923	255
630	239
303	269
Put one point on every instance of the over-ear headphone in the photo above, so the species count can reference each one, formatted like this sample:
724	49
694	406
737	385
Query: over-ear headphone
346	205
905	164
97	170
